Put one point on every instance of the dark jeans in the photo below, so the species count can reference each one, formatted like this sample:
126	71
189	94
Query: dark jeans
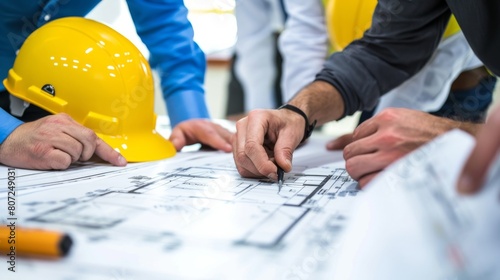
469	105
32	113
236	96
463	105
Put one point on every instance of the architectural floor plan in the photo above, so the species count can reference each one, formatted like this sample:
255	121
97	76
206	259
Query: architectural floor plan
189	217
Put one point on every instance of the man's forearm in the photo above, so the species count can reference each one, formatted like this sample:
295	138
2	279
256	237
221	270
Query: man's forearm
320	101
469	127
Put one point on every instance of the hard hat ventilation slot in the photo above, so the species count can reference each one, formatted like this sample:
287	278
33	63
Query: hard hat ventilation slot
48	88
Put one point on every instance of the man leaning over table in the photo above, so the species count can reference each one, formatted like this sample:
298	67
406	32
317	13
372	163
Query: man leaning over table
400	42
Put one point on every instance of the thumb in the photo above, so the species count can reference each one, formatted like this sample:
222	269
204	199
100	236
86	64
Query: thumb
178	138
340	142
283	151
482	156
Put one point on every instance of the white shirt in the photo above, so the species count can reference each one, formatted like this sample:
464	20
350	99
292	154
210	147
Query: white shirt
304	45
257	21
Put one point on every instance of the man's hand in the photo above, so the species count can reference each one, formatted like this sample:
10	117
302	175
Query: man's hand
201	131
340	142
263	136
54	142
266	138
386	137
482	156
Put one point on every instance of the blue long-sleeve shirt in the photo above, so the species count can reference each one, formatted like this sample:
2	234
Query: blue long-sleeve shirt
161	24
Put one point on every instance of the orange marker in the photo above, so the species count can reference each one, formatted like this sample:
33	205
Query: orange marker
16	241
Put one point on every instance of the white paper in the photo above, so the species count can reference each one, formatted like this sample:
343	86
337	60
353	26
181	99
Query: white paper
410	222
193	217
188	217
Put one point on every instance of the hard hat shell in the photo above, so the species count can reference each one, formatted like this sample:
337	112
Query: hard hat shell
97	76
348	20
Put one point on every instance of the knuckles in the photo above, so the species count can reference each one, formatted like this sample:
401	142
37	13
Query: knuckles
61	164
251	147
59	119
239	157
351	167
257	113
39	150
89	134
389	114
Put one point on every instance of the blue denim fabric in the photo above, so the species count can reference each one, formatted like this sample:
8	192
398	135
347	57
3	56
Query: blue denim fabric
469	105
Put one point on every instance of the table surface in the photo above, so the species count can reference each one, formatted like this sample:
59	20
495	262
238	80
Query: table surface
190	217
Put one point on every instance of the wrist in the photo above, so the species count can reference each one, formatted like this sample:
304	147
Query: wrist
309	126
320	101
469	127
449	124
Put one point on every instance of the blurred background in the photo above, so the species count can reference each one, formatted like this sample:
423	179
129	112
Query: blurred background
215	30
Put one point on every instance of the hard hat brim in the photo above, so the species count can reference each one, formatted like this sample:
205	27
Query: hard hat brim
133	147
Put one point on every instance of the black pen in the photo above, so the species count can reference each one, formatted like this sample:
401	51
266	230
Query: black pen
281	174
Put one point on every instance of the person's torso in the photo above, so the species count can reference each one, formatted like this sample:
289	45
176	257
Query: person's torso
21	17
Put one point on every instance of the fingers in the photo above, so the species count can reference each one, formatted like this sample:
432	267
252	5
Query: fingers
257	129
340	142
286	143
366	129
105	152
360	147
258	160
283	153
265	130
361	140
487	147
66	135
177	137
243	163
82	143
365	164
54	142
71	146
363	181
287	138
57	160
219	138
201	131
85	136
265	136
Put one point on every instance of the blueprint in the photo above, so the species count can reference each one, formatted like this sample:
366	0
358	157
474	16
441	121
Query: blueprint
193	217
188	217
410	222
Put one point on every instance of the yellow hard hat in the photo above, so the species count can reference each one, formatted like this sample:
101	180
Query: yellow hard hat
347	21
97	76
